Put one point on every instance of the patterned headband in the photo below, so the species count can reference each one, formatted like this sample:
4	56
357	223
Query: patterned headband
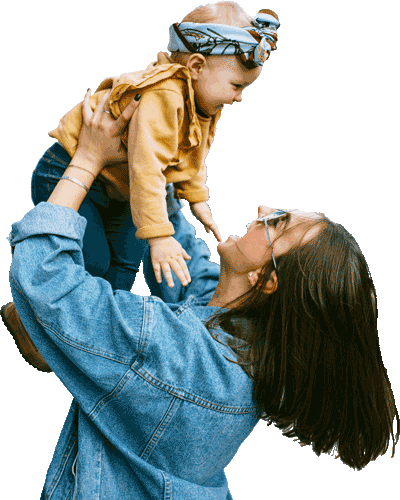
252	44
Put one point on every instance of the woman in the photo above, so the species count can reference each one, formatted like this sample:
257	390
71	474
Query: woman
159	410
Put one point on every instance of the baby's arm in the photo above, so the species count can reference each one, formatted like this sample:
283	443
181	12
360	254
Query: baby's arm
152	144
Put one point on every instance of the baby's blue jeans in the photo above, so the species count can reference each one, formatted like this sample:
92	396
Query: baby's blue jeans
110	248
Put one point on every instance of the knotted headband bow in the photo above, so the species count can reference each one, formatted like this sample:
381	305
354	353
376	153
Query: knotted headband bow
252	43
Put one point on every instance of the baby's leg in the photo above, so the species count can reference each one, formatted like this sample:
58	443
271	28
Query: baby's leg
126	250
46	175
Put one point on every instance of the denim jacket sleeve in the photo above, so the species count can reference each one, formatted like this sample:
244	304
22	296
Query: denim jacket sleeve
106	347
71	315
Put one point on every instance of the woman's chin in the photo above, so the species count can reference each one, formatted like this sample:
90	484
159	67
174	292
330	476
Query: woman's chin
230	239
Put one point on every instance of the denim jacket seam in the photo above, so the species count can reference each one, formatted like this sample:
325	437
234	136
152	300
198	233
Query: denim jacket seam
167	486
61	336
189	302
82	347
189	397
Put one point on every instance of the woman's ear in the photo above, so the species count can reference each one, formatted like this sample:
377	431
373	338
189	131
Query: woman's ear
270	286
272	283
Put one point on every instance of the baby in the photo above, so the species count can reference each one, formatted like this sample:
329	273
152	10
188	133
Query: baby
216	52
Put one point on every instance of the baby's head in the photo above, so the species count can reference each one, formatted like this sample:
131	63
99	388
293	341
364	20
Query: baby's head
218	78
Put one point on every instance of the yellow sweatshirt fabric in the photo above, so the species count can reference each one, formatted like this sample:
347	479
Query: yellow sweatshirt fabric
167	142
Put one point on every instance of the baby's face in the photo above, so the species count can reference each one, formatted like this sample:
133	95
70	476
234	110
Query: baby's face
219	81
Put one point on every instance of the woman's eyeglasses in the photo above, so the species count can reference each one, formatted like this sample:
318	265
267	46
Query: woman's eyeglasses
275	217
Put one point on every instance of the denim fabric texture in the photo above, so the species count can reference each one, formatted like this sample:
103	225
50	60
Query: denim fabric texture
157	410
110	248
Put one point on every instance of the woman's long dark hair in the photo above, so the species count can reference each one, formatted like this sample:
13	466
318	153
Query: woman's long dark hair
312	349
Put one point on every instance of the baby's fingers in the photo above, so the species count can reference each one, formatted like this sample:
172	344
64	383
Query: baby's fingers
164	266
215	230
167	256
181	271
167	273
217	236
157	272
185	255
184	268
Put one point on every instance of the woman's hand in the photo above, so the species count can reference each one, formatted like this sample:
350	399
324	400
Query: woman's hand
202	213
100	137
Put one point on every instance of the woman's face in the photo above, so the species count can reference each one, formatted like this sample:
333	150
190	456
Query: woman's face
252	251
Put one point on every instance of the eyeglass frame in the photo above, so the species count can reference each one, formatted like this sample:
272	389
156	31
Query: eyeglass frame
273	215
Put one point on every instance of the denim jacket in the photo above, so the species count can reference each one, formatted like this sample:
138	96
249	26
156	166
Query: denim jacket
157	410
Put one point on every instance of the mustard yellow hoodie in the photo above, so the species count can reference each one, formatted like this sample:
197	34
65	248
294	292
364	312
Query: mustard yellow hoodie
169	143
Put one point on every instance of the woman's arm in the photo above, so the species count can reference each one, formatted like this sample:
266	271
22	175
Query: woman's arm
68	193
99	144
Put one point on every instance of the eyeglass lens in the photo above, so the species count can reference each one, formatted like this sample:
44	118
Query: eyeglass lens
273	218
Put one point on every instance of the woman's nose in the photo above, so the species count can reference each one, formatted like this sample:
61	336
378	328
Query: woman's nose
264	210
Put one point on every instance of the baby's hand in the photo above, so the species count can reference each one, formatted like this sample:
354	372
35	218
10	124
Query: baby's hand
166	254
202	213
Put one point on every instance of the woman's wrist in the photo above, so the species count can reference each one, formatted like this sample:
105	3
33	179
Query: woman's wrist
87	162
80	174
72	187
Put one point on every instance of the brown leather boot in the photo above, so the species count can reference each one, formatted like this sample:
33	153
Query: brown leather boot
24	343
